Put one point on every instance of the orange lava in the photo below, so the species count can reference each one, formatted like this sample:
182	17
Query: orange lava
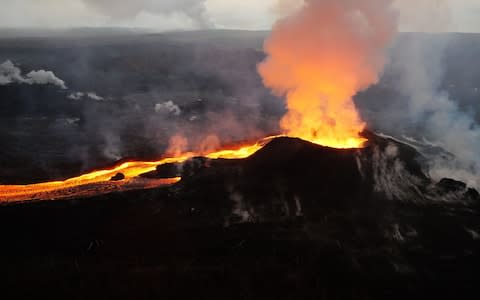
319	58
99	182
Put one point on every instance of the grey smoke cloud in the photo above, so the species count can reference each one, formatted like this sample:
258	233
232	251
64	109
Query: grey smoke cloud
193	9
168	107
76	96
9	73
427	106
440	118
44	77
171	14
94	96
82	95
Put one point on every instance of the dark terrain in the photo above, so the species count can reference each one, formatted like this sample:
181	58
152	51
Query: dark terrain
44	135
294	221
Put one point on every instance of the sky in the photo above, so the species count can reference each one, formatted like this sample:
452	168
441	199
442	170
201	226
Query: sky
165	15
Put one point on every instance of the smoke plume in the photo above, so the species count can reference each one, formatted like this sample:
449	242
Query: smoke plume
419	63
319	57
438	116
193	9
168	107
9	73
44	77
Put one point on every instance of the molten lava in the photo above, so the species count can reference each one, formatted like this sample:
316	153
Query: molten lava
319	58
98	182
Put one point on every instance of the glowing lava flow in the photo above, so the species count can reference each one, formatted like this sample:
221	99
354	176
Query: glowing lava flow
98	181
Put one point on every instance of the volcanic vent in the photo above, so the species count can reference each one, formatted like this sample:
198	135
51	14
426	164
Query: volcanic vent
304	172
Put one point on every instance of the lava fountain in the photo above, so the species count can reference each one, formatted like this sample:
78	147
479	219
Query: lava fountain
319	58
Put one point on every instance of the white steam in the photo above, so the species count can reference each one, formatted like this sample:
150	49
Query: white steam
430	109
168	107
94	96
9	73
195	10
44	77
82	95
76	96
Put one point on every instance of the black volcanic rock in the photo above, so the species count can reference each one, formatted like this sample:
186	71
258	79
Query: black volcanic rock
293	221
189	168
118	177
385	169
168	170
164	171
450	185
473	194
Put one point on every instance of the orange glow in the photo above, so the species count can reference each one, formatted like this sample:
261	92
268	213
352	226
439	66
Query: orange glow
319	58
98	182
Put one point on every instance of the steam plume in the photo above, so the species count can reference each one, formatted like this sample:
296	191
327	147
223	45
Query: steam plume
193	9
428	107
438	117
168	107
44	77
319	58
9	73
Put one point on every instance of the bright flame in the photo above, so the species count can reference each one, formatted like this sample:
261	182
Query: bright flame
319	58
101	178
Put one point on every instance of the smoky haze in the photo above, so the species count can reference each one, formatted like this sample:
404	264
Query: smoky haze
127	100
188	14
194	9
433	105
